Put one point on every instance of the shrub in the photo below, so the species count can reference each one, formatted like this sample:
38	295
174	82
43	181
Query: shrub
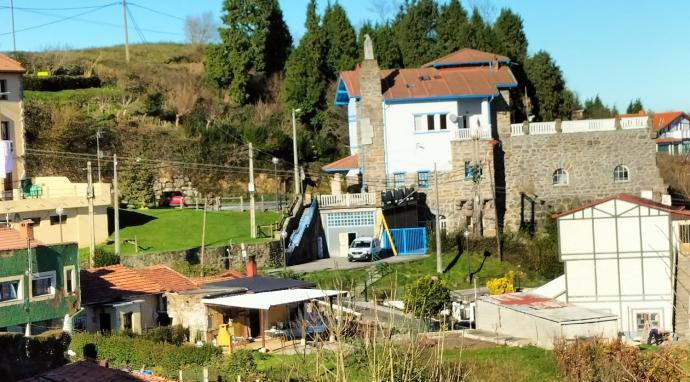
176	335
426	296
103	257
60	82
505	284
240	362
24	357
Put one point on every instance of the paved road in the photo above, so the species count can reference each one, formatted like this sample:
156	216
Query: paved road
341	263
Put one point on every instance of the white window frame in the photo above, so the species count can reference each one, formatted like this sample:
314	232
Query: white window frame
618	171
20	290
419	123
423	183
396	177
658	312
38	276
73	269
560	182
684	233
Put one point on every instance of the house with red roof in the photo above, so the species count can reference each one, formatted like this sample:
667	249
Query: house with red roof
672	132
629	256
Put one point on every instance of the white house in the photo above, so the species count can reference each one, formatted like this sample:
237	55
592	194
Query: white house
672	132
620	255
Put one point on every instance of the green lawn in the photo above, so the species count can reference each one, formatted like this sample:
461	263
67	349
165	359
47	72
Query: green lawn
404	274
168	229
71	94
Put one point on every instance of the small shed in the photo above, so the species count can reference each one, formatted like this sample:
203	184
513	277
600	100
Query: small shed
541	320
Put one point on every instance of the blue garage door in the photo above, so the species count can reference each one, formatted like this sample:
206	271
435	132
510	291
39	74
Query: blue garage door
408	241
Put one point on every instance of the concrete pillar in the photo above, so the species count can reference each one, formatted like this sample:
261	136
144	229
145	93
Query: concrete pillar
525	128
337	184
558	126
486	116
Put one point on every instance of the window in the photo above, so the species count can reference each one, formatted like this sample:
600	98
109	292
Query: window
399	180
3	89
55	219
419	123
350	219
468	170
560	177
36	221
70	280
646	320
43	284
127	321
620	174
443	119
472	172
430	122
423	179
5	130
684	233
10	290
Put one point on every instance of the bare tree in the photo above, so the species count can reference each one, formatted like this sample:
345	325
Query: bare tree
201	29
487	9
183	95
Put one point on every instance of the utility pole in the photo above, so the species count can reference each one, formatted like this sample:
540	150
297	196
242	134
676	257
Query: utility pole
294	151
98	152
252	206
275	175
499	246
90	196
439	257
116	207
124	16
203	235
14	40
476	177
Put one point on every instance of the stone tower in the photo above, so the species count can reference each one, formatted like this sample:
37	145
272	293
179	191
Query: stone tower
370	122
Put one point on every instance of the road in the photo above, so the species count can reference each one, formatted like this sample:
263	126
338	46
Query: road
341	263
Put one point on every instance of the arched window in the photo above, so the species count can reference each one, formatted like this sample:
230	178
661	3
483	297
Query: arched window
560	177
621	174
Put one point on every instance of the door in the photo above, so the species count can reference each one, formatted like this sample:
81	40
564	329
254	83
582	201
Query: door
104	322
342	245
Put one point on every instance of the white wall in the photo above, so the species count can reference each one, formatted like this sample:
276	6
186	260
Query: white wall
352	124
618	259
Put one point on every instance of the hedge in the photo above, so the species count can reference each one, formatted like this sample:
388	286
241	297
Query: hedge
25	357
57	83
137	352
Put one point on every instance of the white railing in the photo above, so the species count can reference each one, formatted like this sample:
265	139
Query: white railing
588	125
348	200
516	129
536	128
472	133
634	122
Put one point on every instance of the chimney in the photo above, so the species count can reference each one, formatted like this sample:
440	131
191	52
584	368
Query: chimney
26	229
251	266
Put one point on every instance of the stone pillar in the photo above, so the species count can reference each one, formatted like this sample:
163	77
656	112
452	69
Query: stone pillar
558	126
502	107
525	128
337	184
617	122
370	122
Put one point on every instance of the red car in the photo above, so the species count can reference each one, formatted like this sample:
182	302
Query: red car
172	199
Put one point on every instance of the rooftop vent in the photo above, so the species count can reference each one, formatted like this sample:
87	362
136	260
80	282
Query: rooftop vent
424	77
410	86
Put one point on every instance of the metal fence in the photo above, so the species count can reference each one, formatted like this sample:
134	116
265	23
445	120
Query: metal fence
408	241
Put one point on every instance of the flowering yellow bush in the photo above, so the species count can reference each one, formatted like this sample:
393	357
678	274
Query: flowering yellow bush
500	285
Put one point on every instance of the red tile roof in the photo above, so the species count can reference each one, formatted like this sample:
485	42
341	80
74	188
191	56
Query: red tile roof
225	276
676	212
11	239
167	279
342	164
660	120
90	371
432	83
467	56
9	65
114	283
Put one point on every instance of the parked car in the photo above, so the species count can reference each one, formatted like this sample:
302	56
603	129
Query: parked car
172	199
365	249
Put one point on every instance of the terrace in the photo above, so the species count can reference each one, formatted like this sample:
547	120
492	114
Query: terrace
581	126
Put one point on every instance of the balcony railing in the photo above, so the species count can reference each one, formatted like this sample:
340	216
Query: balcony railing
579	126
472	133
348	200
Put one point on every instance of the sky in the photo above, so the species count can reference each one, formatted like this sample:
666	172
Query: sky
617	49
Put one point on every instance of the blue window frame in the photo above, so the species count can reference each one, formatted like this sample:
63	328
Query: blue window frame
399	180
423	179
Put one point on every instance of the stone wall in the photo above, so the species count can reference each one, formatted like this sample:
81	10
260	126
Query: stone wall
588	157
268	255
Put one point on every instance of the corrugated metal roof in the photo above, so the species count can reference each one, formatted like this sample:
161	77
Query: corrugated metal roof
548	308
258	284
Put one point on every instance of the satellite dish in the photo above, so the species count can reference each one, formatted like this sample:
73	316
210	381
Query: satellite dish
453	118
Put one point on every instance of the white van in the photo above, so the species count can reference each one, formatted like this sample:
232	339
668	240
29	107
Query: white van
364	248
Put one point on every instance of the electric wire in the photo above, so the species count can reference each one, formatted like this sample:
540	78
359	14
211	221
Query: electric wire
59	20
136	26
155	11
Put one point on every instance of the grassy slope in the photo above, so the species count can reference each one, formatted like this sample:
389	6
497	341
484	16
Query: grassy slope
170	229
405	273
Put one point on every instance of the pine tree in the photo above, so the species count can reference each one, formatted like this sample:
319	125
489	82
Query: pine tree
415	31
341	40
305	81
480	36
635	106
546	86
511	40
451	28
278	42
595	108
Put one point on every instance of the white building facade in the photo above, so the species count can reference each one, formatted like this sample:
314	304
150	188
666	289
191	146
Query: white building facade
620	256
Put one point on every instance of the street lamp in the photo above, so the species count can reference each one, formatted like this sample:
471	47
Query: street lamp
60	211
298	187
275	174
283	236
466	234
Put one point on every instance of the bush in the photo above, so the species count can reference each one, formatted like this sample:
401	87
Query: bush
505	284
24	357
240	362
426	297
176	335
600	361
137	352
103	257
60	82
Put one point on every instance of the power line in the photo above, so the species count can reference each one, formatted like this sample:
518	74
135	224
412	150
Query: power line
157	12
136	26
55	9
59	21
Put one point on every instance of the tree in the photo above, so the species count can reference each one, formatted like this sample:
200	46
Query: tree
305	81
201	29
511	40
184	94
480	36
451	28
546	86
136	185
254	39
415	31
595	108
341	40
426	297
635	106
